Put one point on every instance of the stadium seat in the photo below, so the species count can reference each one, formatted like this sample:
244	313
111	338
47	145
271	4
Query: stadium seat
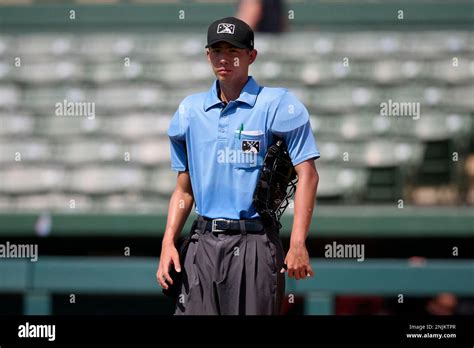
40	73
460	98
22	179
389	153
6	44
14	124
137	125
54	202
103	47
83	151
44	44
128	97
99	180
446	72
67	128
435	126
338	182
44	100
172	72
31	150
135	203
6	71
162	181
10	97
115	71
366	45
341	99
272	71
342	152
151	152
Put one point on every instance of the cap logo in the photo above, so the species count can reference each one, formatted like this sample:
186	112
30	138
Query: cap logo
225	28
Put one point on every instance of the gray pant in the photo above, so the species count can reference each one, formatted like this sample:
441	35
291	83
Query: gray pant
232	274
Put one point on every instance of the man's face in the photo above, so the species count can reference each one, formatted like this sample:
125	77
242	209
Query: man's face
230	63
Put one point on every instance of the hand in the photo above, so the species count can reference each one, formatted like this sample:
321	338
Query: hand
169	256
297	262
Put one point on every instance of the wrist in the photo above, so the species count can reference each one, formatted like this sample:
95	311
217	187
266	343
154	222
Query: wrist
297	243
168	241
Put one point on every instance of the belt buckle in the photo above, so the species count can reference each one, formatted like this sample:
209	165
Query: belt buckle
214	224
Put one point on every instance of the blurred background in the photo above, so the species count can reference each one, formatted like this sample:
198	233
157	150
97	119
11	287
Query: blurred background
91	190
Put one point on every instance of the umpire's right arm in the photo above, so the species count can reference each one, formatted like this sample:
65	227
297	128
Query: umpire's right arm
180	206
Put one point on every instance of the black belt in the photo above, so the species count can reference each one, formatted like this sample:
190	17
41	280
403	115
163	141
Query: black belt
228	225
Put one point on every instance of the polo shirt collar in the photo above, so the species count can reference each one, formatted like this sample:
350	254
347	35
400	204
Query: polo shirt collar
248	95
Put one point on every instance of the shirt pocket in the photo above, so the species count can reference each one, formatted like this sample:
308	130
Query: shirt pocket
249	147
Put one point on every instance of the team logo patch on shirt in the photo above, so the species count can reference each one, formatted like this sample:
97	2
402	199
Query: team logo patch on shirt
225	28
250	146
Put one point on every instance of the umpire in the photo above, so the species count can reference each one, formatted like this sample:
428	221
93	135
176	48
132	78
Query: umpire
234	264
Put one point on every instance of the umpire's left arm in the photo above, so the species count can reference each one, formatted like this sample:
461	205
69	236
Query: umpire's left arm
297	258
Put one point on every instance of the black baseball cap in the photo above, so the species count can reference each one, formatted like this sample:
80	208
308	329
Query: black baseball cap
231	30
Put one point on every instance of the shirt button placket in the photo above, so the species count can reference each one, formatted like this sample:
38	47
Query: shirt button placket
223	125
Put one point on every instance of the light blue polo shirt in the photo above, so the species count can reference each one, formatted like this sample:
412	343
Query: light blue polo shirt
223	146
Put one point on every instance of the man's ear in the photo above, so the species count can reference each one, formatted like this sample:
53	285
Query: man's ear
253	56
207	55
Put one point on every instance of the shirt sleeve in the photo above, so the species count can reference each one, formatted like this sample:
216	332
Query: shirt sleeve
292	123
177	136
